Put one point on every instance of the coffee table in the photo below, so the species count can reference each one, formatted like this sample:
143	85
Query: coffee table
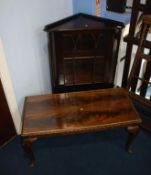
77	112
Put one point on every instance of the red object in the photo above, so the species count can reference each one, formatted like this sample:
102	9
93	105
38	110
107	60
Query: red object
97	1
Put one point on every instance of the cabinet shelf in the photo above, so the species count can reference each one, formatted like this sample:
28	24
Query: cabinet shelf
83	57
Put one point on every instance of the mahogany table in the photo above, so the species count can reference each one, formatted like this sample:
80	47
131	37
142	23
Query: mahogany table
77	112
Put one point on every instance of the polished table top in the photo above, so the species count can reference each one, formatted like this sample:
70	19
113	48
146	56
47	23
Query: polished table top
77	112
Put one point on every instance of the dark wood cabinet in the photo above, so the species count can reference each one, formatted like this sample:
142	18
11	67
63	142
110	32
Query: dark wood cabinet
83	52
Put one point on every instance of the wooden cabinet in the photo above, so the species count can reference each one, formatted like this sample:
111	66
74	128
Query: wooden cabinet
83	52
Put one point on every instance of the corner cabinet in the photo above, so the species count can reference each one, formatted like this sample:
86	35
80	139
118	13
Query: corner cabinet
83	52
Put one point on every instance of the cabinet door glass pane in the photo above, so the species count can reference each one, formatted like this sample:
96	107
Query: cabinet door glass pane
68	42
68	72
99	70
86	58
85	41
83	71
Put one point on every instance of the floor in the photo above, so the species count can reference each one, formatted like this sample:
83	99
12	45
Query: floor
85	154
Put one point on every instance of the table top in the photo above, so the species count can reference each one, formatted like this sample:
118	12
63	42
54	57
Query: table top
77	112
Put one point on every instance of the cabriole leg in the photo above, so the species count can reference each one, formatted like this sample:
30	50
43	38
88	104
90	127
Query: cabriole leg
132	133
27	146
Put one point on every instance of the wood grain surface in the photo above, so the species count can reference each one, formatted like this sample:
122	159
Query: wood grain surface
78	112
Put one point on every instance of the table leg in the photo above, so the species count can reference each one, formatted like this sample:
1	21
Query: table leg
132	133
27	146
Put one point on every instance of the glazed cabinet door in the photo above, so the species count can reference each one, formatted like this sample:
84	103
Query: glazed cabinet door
85	57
